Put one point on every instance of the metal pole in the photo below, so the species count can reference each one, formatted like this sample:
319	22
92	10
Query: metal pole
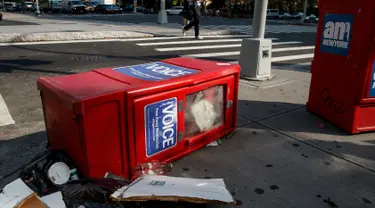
37	13
162	5
304	12
162	17
259	20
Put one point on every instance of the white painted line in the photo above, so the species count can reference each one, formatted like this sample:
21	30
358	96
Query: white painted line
181	42
121	40
207	55
293	48
216	46
291	58
235	53
5	117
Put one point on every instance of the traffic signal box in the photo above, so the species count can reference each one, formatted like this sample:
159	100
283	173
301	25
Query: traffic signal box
343	73
109	120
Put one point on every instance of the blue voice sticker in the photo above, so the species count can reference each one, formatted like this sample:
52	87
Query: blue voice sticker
372	83
337	33
155	71
161	126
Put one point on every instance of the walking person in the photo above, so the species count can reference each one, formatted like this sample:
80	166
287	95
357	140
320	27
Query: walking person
194	10
185	11
24	7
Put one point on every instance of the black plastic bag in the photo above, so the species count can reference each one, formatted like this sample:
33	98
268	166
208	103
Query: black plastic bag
98	191
89	204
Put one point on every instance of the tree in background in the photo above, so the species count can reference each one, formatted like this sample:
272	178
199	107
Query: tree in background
289	6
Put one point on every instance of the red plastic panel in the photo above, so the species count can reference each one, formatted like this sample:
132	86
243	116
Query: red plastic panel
365	118
340	69
63	130
103	139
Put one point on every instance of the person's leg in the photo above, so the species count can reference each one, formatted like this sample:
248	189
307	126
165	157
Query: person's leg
190	25
191	22
196	16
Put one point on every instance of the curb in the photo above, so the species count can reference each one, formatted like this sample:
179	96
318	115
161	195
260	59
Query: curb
98	35
66	36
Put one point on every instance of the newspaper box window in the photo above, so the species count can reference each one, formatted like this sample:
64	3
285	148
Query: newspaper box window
204	110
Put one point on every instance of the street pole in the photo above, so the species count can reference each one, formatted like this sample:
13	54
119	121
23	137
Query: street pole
304	12
256	52
3	8
259	19
135	6
162	17
37	13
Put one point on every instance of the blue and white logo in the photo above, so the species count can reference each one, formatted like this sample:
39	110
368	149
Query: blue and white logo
161	126
372	85
337	33
155	71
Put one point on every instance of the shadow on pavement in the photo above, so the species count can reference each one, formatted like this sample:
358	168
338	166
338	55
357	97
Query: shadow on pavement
260	110
14	22
16	152
88	55
8	66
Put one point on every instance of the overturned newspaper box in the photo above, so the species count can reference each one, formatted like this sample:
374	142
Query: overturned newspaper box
111	119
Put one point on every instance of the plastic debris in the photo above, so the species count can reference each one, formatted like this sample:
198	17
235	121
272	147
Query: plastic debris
152	168
215	143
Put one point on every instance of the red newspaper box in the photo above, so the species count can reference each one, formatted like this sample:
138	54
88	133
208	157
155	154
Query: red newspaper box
111	119
342	85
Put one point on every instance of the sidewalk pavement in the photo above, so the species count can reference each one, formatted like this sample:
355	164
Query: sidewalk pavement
28	28
280	155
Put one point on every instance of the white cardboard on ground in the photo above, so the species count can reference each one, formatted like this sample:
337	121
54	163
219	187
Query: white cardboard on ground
162	186
54	200
14	193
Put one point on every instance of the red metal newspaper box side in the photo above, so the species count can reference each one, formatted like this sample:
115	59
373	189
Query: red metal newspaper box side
173	116
342	70
84	115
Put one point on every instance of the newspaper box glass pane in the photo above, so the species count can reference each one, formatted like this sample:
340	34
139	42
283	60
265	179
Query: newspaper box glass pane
204	110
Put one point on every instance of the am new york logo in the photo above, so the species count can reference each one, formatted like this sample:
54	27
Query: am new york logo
337	33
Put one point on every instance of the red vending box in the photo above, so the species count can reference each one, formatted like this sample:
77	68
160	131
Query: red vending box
109	120
342	85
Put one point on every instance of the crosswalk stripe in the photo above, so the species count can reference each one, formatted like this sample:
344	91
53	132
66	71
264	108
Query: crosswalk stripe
293	48
293	57
216	46
235	53
5	117
120	40
181	42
